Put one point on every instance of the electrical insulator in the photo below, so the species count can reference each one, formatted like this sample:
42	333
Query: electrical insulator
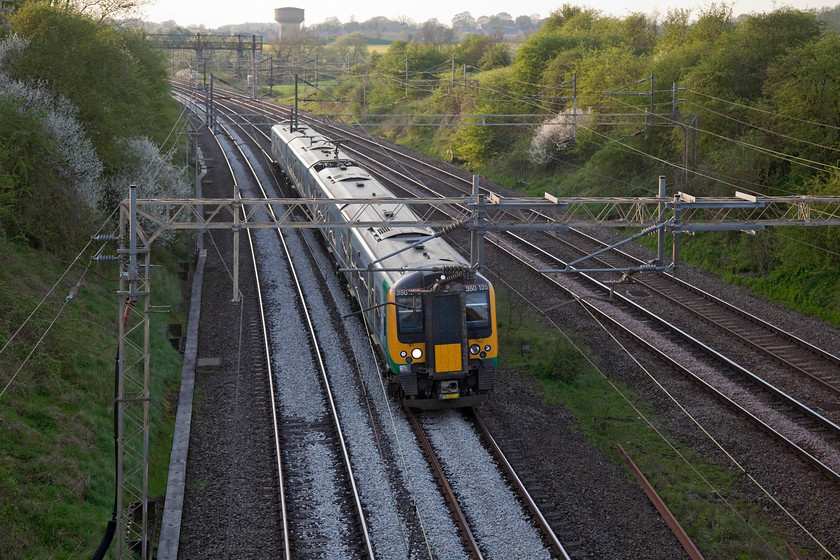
106	238
105	258
74	291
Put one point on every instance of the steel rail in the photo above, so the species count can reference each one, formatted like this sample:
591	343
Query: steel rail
519	486
657	501
368	546
287	555
448	493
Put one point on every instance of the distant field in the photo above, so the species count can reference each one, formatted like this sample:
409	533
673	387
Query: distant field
378	48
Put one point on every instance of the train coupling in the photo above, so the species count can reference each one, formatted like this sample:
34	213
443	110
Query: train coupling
449	389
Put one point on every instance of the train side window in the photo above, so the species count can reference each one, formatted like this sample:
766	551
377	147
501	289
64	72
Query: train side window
378	311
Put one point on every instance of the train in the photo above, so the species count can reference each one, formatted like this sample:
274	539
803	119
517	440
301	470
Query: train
432	318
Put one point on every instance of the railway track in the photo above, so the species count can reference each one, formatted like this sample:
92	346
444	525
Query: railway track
812	363
434	432
448	493
321	507
542	515
471	544
793	417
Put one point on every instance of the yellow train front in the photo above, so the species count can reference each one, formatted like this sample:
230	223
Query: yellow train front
441	342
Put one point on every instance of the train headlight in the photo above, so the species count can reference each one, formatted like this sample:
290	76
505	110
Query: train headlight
487	348
416	353
403	354
475	349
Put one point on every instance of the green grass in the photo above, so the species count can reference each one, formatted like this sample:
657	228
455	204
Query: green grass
56	431
606	418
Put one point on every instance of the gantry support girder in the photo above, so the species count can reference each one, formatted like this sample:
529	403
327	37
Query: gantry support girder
206	42
682	213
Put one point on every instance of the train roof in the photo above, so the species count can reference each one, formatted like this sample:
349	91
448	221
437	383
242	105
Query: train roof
310	147
343	178
386	240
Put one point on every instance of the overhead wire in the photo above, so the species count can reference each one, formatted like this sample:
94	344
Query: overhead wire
799	241
805	162
760	110
762	129
35	347
56	284
58	313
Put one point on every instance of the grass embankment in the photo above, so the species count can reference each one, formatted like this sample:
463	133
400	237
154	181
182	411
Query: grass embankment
609	415
56	432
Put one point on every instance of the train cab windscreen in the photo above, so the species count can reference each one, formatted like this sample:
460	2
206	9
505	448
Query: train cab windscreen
478	314
409	318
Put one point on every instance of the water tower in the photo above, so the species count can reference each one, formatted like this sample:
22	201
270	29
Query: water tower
289	20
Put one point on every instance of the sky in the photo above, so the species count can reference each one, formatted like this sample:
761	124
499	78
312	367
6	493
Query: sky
215	13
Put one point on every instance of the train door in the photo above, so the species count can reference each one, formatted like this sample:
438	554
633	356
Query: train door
446	332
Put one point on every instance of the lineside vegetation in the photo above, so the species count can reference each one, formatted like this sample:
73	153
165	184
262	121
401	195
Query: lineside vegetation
755	111
84	112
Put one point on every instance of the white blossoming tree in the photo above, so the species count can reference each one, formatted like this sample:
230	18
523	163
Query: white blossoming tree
556	135
61	170
152	172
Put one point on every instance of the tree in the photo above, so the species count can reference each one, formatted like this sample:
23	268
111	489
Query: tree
831	17
497	22
351	49
524	23
92	89
470	50
117	81
804	85
297	50
738	64
481	144
353	26
101	10
31	188
463	21
567	29
497	56
332	24
433	32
